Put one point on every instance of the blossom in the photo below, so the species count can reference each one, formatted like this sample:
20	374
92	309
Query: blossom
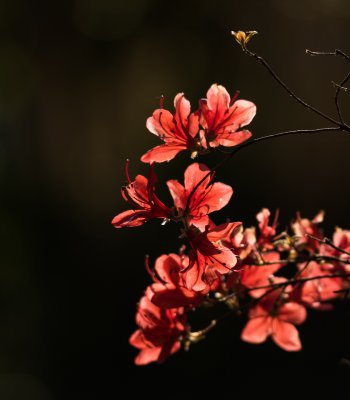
316	291
177	131
260	275
341	240
160	331
170	289
268	318
140	194
303	227
221	117
199	196
209	257
243	241
242	38
267	232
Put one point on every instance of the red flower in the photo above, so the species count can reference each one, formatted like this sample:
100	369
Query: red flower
269	319
303	227
222	117
177	131
267	232
206	198
243	241
146	205
209	258
260	275
160	331
341	239
316	291
170	289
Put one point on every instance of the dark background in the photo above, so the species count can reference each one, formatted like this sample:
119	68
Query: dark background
77	81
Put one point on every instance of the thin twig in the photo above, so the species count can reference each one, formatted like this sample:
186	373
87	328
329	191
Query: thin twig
291	281
280	134
257	140
336	52
329	243
262	61
336	99
343	88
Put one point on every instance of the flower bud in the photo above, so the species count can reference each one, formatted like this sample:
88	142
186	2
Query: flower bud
243	38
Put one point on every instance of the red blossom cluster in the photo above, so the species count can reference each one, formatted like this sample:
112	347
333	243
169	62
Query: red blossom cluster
273	276
215	123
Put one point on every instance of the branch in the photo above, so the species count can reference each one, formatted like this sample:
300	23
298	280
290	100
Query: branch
329	243
280	134
339	87
343	88
262	61
336	52
336	99
257	140
300	280
285	283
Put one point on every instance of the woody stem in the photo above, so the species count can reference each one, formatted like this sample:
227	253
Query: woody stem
257	140
286	283
329	243
262	61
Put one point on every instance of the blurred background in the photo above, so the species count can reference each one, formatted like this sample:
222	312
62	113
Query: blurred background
77	81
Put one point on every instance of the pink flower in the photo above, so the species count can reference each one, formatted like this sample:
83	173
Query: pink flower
199	195
316	291
141	197
170	289
243	241
260	275
267	232
222	117
341	239
269	319
177	131
209	258
159	332
303	227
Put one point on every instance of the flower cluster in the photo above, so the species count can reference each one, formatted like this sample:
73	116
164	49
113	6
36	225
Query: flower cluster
217	122
272	277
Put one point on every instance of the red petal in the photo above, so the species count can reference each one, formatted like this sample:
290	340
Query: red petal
168	268
161	124
243	113
193	125
215	198
162	153
138	340
257	330
193	278
224	261
193	175
172	297
232	139
200	222
292	312
182	111
177	192
218	101
147	356
255	275
286	335
130	218
223	231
